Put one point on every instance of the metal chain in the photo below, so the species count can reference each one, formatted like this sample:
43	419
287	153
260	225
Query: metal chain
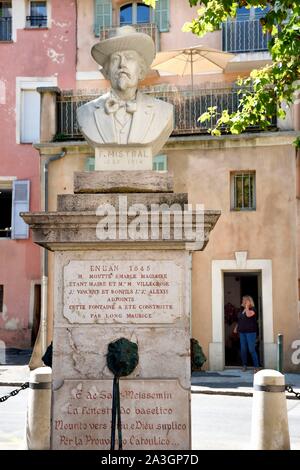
14	392
290	389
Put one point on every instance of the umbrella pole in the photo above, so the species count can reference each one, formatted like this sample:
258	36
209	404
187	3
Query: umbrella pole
192	72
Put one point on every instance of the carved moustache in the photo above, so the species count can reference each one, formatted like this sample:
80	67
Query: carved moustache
125	72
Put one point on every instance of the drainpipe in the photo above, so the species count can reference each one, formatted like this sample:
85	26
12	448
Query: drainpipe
190	289
44	283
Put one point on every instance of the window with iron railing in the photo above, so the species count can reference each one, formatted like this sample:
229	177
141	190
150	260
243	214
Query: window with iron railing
243	191
131	13
38	15
245	33
135	13
5	21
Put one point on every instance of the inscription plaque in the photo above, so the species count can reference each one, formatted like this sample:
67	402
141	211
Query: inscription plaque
155	415
123	158
122	291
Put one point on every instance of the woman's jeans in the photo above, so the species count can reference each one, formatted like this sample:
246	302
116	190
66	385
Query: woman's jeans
248	340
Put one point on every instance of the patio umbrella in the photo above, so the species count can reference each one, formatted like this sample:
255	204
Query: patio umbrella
192	60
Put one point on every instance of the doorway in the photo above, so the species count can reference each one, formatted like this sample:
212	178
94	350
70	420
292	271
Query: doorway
236	285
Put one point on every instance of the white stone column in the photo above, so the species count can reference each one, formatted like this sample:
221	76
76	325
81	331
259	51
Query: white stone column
270	430
38	410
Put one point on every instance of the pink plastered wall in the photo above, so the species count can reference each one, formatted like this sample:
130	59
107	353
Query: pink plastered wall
36	53
180	12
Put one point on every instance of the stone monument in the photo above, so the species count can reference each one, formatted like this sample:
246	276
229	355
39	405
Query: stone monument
122	270
125	127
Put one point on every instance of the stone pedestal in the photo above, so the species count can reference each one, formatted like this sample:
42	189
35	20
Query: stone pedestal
132	287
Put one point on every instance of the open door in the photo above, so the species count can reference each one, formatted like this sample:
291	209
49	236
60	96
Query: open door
236	285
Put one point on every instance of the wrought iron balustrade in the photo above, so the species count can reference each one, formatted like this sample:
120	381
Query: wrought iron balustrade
5	28
244	36
146	28
36	21
188	106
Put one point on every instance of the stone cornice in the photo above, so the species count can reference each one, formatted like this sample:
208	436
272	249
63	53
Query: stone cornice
193	142
255	139
77	230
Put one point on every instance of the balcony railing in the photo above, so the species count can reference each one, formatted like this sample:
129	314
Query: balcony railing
188	106
244	36
5	28
147	28
36	21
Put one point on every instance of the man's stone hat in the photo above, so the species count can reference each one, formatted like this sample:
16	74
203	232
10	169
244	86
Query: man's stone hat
126	39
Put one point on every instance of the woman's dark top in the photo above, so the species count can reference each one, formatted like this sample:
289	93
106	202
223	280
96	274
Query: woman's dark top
247	324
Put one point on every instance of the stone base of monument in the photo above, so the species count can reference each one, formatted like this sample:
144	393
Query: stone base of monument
131	286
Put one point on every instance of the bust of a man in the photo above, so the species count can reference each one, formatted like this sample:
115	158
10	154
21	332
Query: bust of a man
125	116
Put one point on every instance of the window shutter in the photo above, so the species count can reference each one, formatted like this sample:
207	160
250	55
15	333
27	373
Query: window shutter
103	15
20	203
162	15
30	116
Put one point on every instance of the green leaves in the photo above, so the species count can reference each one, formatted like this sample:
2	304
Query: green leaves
272	86
151	3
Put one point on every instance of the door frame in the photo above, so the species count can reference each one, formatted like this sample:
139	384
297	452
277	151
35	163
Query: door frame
241	264
258	305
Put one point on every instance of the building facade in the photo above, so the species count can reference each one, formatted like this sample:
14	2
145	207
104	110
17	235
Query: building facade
251	178
37	49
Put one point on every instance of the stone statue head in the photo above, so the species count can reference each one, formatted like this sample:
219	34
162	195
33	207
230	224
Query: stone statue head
125	118
125	58
124	69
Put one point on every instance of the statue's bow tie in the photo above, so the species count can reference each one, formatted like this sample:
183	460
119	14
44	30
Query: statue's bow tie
112	105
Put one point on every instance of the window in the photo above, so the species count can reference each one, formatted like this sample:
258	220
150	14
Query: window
89	164
5	21
38	15
6	212
14	198
243	191
1	297
160	163
134	13
28	105
131	13
30	116
244	33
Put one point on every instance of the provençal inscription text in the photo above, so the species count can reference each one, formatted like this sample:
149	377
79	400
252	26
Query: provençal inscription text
122	291
155	415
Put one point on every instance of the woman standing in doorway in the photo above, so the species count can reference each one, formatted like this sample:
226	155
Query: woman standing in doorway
247	329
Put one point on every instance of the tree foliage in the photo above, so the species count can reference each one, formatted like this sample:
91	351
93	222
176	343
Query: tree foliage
273	86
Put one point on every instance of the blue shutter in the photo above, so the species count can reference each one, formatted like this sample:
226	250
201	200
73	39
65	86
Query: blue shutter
103	15
162	15
20	203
